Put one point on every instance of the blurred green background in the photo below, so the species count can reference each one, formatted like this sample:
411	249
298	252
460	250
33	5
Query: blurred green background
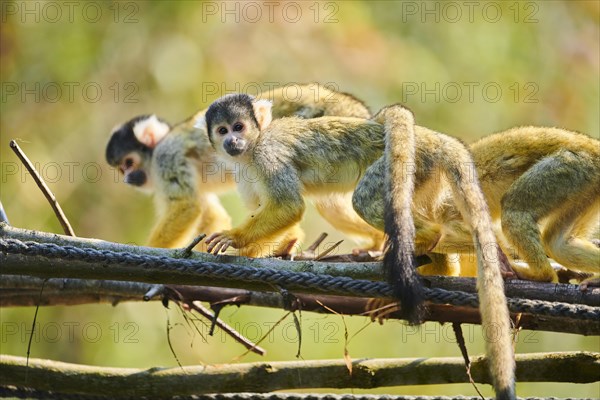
71	72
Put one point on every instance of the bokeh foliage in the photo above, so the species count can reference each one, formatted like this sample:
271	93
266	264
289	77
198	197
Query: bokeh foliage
444	60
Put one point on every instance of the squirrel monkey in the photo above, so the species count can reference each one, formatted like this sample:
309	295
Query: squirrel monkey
543	187
293	158
286	158
179	165
438	156
544	177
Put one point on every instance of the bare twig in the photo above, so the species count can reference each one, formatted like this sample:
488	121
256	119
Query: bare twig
3	216
169	342
199	308
187	251
173	293
313	247
154	291
327	251
44	188
460	340
37	308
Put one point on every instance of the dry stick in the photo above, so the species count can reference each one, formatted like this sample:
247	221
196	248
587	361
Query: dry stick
198	307
155	290
3	216
169	327
18	290
187	251
309	253
317	242
460	340
266	335
37	307
329	250
172	293
44	188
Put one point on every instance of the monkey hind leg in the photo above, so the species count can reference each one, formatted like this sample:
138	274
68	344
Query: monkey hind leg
567	234
441	264
535	195
338	211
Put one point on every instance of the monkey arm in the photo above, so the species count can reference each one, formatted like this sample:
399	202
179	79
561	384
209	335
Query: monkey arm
269	222
281	206
173	226
177	199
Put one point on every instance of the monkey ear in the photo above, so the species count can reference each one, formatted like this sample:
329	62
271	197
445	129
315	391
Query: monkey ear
262	111
150	131
201	123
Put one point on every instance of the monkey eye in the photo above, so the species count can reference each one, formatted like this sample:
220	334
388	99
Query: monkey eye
222	130
128	163
238	127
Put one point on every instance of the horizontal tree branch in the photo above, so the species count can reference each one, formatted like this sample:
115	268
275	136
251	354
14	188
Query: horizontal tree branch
41	267
575	367
12	264
23	290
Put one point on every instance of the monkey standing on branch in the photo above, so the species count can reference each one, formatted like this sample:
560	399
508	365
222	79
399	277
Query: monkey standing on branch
549	178
436	155
179	165
290	158
542	186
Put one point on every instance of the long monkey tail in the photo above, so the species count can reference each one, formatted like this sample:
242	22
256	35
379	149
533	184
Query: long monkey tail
495	317
399	260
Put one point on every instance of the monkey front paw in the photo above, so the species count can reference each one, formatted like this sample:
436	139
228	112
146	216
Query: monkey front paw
220	242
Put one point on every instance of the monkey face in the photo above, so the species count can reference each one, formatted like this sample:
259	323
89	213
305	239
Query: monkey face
135	166
131	146
131	168
232	137
235	121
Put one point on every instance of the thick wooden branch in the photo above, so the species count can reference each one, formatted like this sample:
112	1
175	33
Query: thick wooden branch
575	367
22	290
47	268
564	293
38	266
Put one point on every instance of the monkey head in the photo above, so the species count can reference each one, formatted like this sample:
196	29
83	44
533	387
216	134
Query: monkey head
131	146
234	122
